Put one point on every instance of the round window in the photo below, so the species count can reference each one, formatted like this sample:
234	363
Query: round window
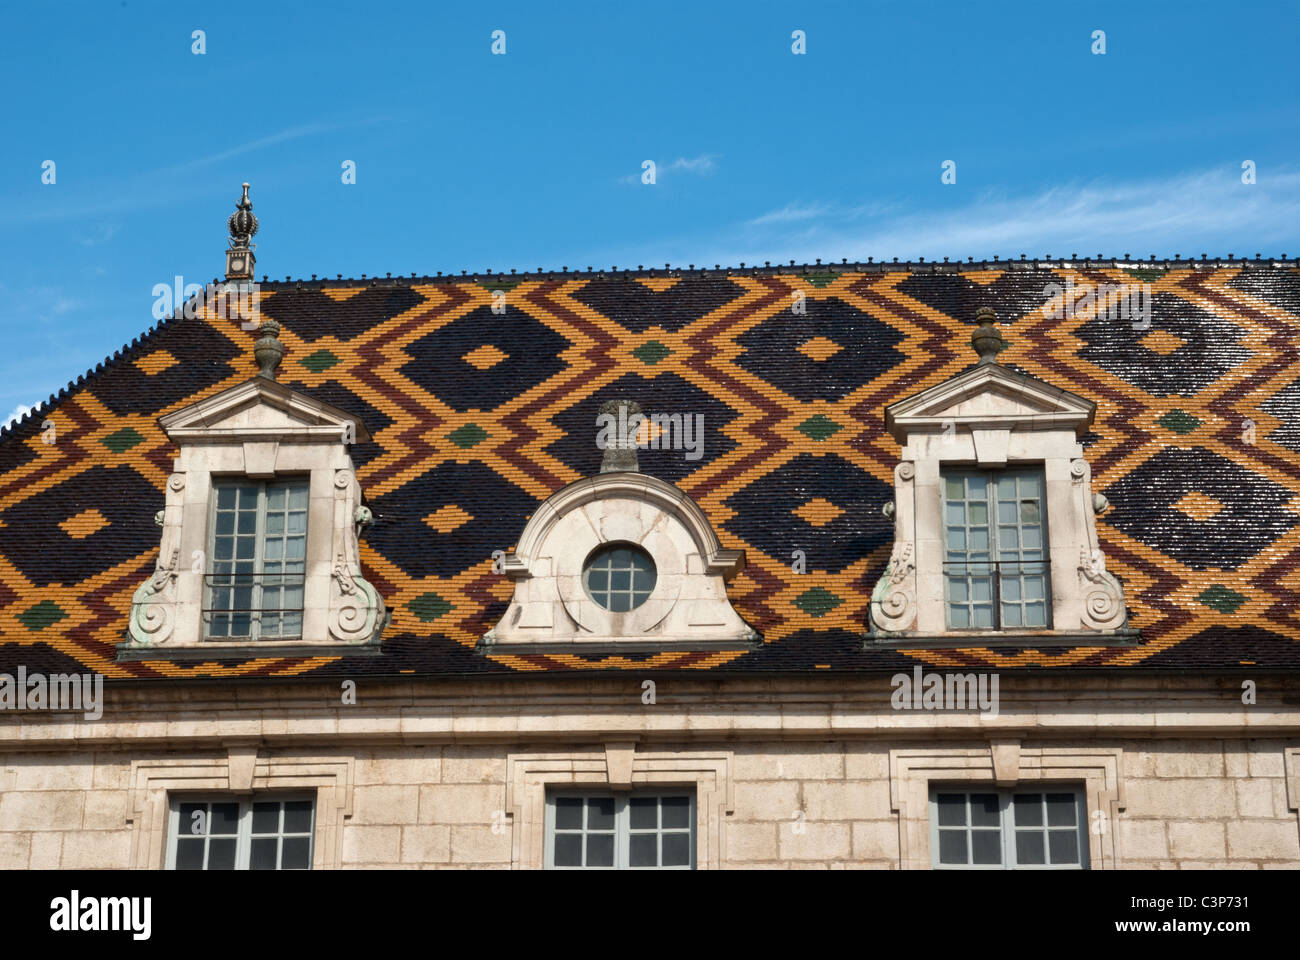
619	577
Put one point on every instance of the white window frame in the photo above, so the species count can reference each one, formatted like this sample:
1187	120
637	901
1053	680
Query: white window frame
243	833
1007	828
622	821
992	476
259	546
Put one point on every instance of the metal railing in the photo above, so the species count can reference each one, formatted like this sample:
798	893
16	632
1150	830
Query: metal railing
995	571
257	583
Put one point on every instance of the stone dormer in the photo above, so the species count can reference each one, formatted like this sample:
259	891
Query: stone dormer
965	566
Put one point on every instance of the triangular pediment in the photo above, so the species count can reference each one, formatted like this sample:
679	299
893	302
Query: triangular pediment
992	396
261	407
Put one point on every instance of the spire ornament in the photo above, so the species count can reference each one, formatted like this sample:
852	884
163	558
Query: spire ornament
987	339
242	224
268	351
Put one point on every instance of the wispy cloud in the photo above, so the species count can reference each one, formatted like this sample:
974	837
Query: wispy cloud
1204	211
704	163
17	413
292	133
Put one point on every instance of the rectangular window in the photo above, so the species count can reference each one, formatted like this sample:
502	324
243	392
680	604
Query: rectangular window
996	565
258	552
1008	829
265	833
640	831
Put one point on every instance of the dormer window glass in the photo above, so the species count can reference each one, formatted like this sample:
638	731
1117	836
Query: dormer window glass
259	556
619	577
996	565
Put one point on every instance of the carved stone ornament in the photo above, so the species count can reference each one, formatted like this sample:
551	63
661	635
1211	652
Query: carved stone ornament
893	601
1103	597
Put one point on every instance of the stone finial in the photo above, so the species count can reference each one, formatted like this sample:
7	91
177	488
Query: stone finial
268	351
986	339
619	423
240	258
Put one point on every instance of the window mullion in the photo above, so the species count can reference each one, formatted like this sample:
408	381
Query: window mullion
1008	833
259	552
622	836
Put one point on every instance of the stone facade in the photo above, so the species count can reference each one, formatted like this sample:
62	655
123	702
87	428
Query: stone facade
789	773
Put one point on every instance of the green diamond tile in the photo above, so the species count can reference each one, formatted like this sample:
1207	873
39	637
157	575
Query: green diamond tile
817	602
42	615
651	352
819	427
429	606
500	284
320	360
1222	599
1179	421
1147	274
123	439
819	279
468	435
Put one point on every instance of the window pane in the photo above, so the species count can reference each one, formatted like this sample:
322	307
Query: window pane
297	816
192	825
266	817
189	853
643	813
1029	847
677	850
263	854
221	854
1029	809
952	809
600	850
600	813
225	497
958	617
224	818
986	846
296	853
952	846
984	810
1064	845
568	849
1060	810
568	813
676	812
644	850
953	488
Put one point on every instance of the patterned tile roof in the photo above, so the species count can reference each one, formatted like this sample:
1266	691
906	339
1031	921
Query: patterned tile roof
477	418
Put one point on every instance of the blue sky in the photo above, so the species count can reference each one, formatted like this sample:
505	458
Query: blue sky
469	160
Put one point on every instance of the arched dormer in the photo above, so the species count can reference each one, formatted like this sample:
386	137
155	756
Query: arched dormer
582	580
